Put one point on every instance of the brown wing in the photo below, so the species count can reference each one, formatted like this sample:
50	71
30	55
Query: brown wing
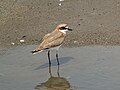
49	35
46	36
53	39
56	42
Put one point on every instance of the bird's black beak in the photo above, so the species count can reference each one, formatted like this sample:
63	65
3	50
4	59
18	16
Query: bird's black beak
69	29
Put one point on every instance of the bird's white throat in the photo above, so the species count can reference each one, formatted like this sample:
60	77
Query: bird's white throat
63	31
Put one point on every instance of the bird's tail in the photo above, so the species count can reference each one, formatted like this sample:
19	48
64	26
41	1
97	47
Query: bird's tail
36	51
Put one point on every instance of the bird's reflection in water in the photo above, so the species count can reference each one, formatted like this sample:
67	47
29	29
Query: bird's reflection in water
54	83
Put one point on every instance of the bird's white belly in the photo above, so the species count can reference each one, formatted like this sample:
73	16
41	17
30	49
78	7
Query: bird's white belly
55	48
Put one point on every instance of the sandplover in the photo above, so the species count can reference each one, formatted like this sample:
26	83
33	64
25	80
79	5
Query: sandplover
53	40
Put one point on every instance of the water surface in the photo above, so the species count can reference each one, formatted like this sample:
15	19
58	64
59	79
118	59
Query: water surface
83	68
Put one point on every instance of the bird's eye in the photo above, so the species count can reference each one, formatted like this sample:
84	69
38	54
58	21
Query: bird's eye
61	28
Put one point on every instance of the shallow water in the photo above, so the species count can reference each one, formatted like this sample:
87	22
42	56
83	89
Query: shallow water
83	68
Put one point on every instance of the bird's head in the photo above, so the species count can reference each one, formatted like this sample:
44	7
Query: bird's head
63	28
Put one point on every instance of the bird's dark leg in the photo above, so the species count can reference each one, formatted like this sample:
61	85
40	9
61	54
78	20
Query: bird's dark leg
57	63
49	63
49	58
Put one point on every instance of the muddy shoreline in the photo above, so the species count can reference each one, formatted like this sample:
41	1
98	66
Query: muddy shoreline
94	22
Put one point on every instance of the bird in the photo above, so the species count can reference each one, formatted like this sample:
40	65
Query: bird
53	41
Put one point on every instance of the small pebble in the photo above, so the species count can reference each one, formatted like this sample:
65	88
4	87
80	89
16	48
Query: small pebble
75	41
22	40
61	0
82	41
60	4
13	43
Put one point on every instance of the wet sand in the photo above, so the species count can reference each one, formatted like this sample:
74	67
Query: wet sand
94	22
82	68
